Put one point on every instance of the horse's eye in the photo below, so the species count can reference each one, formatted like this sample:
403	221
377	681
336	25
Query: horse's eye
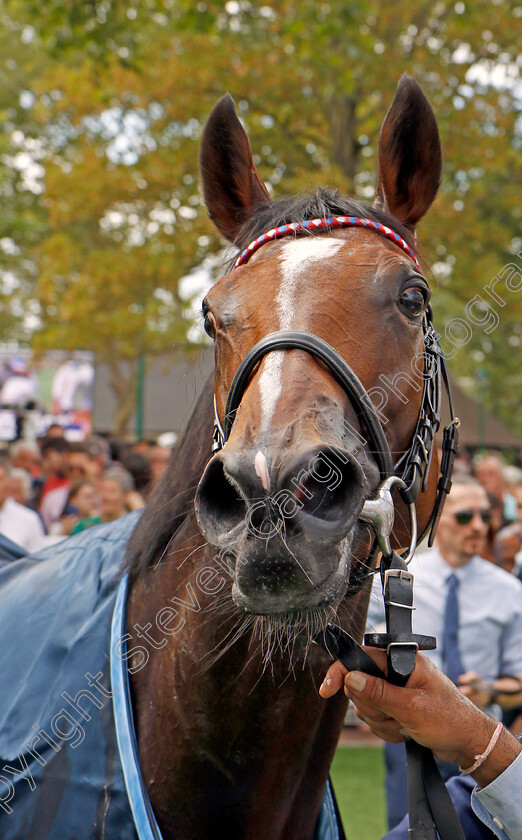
413	300
209	325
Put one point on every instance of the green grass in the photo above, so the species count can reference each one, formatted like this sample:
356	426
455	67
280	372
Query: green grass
358	778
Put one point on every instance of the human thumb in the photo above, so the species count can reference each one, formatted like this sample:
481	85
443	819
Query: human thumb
355	680
370	691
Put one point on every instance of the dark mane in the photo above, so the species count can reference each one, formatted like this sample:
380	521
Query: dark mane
323	203
173	499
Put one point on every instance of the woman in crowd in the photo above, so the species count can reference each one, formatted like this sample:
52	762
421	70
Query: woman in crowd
117	497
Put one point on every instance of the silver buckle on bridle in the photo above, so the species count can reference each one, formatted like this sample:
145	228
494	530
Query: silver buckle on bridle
380	514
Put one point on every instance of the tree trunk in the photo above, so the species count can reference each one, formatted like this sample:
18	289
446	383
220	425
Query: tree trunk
122	379
344	141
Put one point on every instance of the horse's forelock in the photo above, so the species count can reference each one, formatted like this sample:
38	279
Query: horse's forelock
323	203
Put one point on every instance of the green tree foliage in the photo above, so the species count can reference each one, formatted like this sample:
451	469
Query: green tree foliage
116	96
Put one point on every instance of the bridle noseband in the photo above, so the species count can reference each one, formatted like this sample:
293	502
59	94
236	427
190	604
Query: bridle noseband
342	372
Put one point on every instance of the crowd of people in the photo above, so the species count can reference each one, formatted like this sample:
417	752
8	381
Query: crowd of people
53	488
468	587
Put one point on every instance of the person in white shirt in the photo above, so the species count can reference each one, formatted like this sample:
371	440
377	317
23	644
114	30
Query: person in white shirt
20	387
489	638
17	522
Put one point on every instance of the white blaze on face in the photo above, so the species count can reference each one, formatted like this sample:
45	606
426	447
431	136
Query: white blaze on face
261	469
296	256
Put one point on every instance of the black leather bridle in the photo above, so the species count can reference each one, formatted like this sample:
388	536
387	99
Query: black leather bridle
413	467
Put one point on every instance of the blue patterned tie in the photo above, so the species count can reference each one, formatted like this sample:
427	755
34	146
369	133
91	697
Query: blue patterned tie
453	666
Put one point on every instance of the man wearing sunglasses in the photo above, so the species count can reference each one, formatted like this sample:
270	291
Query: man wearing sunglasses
453	585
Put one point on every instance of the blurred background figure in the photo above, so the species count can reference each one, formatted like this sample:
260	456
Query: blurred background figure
56	483
79	464
117	497
497	522
508	550
141	446
84	498
83	505
72	386
159	461
516	491
99	451
20	387
512	477
26	455
20	486
489	472
17	522
139	467
55	430
507	547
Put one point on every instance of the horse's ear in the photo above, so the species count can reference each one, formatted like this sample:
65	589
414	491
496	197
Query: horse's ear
410	159
232	185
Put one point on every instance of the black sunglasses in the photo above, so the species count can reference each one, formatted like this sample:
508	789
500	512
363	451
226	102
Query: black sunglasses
464	517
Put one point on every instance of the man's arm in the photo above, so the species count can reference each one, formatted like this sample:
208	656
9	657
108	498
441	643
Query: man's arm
429	709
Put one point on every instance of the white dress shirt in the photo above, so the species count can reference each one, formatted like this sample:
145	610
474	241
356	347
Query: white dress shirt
21	525
501	802
490	612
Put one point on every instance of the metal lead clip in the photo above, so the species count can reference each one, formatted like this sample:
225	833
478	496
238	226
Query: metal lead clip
380	514
218	435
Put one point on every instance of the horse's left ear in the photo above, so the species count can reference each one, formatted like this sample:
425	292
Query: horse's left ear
410	159
231	183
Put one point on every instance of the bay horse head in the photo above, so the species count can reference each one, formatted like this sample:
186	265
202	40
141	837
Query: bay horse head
321	326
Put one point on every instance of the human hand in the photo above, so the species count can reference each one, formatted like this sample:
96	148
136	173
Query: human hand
68	522
134	500
506	690
475	689
429	709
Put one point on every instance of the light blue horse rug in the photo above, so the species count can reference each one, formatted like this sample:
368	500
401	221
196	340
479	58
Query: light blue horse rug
69	765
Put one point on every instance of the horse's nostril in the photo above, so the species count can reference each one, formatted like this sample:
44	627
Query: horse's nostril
323	491
326	500
330	489
219	505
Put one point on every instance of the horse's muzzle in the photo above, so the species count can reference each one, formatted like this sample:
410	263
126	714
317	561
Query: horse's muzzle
319	493
285	537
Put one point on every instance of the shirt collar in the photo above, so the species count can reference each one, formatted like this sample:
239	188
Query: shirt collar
432	566
460	572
